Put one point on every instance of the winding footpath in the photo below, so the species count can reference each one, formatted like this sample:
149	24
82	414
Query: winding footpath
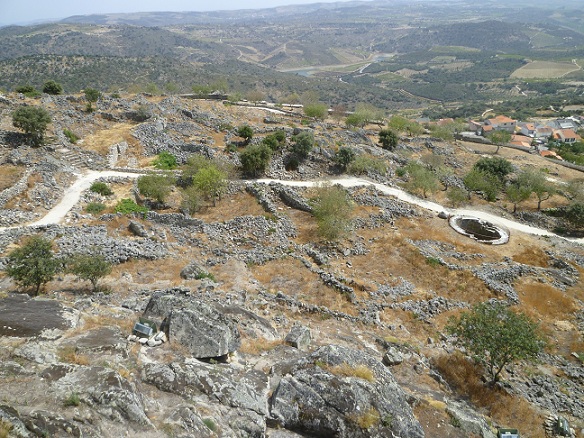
73	193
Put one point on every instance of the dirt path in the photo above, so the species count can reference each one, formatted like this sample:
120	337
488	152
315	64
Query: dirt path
73	193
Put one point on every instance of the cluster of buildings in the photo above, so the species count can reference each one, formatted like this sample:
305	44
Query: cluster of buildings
532	135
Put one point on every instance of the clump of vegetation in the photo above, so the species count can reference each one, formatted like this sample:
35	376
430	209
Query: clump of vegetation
72	400
92	96
71	136
344	157
388	139
366	419
346	370
317	110
332	209
421	179
95	207
28	91
52	87
128	206
210	424
202	275
255	159
302	144
101	188
245	132
155	186
364	164
90	267
33	120
495	336
32	264
165	161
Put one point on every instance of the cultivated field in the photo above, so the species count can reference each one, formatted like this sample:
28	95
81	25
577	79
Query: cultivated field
545	70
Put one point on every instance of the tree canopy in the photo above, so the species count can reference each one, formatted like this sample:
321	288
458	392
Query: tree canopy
495	336
52	87
388	139
32	264
33	120
332	210
90	267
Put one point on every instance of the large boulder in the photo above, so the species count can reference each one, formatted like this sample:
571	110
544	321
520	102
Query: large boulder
341	392
202	329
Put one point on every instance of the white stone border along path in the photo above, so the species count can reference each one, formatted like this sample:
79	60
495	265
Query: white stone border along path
73	193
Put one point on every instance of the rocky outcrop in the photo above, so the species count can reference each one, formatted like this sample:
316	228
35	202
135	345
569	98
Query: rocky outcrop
202	329
341	392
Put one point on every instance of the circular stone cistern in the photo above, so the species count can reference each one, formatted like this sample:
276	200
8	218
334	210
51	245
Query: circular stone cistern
479	230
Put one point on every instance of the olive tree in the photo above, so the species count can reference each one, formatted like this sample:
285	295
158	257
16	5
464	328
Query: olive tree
90	267
388	139
255	159
155	186
32	264
92	96
211	182
500	138
52	87
33	120
245	132
332	209
495	336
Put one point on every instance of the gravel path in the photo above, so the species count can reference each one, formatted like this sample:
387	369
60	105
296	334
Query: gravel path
72	194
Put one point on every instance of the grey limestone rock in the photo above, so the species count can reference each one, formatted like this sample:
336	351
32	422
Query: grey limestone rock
312	398
392	357
299	337
137	229
469	420
193	271
203	330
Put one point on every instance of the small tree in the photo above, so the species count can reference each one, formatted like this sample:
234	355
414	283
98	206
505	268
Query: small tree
102	188
211	182
52	87
33	120
388	139
486	183
344	157
191	200
496	166
92	96
575	215
517	193
157	187
500	138
537	182
318	110
246	133
90	267
332	210
303	144
495	336
33	264
421	179
254	159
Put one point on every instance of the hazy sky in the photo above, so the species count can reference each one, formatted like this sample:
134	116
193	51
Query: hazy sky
26	11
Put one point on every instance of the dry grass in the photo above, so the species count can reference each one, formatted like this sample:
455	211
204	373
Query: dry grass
545	301
9	175
291	277
533	256
69	354
346	370
5	428
240	204
258	345
101	140
365	420
464	378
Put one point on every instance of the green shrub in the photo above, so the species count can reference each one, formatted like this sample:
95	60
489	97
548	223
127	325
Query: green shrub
72	400
127	206
165	161
202	275
363	164
71	136
101	188
210	424
95	207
